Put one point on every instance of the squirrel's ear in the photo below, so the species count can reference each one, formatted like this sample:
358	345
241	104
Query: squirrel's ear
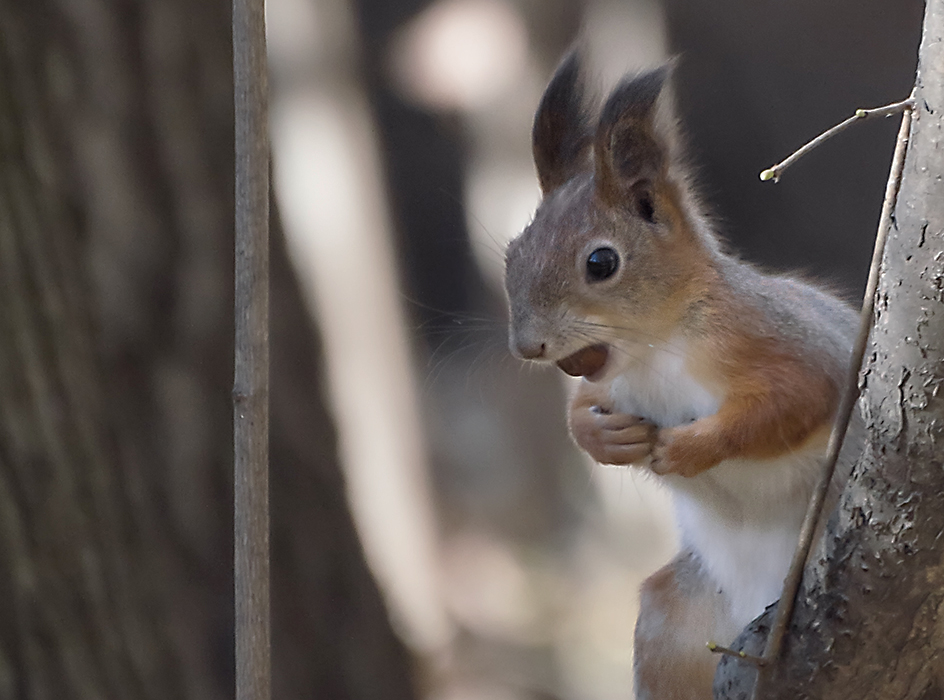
634	137
560	137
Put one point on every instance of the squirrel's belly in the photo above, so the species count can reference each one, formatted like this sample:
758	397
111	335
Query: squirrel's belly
743	518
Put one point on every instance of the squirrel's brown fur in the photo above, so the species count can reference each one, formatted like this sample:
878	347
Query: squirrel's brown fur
719	378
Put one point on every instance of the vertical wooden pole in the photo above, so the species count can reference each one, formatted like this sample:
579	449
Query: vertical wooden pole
251	382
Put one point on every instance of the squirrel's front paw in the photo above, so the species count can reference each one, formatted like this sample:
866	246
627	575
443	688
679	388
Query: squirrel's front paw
679	451
612	438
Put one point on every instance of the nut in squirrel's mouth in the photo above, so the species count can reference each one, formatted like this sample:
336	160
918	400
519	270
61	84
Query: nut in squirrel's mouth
585	362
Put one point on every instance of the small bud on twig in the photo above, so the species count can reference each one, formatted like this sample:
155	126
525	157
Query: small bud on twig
774	172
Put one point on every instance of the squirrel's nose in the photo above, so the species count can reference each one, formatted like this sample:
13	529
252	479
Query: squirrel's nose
529	350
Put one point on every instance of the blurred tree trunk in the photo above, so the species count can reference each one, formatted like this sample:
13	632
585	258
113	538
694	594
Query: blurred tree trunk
77	614
115	378
869	622
526	492
425	154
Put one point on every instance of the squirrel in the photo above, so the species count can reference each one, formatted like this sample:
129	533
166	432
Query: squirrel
720	380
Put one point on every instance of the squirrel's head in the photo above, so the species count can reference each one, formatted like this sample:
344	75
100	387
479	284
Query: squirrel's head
607	256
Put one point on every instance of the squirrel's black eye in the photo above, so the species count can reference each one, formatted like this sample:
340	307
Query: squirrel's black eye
602	263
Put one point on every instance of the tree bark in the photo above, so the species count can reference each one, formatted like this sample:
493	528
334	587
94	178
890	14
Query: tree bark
79	590
869	621
116	289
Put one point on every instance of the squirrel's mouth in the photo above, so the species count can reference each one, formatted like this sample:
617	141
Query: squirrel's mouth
585	362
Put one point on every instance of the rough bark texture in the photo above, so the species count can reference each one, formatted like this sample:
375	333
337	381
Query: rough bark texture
116	289
869	622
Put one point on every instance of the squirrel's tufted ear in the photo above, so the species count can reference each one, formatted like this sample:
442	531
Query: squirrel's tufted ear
560	137
635	135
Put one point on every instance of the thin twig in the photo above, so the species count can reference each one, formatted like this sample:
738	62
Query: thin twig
847	404
251	377
774	172
742	655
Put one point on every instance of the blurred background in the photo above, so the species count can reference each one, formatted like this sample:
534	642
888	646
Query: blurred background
435	535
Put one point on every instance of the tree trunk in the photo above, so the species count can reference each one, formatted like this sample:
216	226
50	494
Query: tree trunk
77	594
869	621
116	246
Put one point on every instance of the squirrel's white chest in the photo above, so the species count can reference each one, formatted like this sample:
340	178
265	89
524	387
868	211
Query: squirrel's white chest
742	517
654	383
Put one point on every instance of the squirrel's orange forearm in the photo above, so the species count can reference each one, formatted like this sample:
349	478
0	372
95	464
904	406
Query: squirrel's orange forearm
768	413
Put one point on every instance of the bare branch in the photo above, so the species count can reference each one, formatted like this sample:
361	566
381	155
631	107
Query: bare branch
774	172
742	655
251	379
